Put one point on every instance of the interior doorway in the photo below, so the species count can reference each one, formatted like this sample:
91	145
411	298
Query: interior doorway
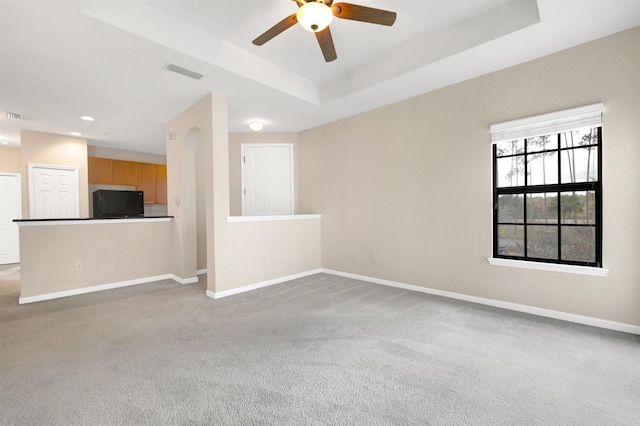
10	209
267	179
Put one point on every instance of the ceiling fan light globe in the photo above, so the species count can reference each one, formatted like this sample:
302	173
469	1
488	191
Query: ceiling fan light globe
314	16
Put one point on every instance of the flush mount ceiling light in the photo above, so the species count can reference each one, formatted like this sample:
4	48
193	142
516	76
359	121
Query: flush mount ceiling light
75	134
87	118
256	126
314	16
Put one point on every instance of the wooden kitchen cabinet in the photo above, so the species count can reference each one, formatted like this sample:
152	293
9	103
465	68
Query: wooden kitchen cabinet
100	171
147	177
161	183
125	173
147	182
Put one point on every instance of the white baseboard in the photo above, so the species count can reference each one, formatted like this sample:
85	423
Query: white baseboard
179	280
102	287
548	313
201	271
578	319
243	289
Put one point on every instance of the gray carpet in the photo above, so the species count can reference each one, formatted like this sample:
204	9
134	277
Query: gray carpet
317	350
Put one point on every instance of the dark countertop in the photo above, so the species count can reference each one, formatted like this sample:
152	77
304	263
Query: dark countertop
93	218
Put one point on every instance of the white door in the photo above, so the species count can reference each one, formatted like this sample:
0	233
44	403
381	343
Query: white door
267	179
53	192
10	208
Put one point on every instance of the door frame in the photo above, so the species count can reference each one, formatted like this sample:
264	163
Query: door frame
32	194
19	182
242	169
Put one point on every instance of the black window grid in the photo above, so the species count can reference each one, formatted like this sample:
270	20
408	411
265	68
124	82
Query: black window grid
556	188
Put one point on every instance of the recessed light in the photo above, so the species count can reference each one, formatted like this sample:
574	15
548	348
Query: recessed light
256	126
75	134
87	118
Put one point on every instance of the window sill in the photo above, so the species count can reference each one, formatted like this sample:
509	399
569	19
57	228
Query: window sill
570	269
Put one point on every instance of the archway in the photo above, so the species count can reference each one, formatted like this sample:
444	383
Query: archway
184	208
192	138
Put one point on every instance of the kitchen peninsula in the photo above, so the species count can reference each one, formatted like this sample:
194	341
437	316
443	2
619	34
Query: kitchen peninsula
65	257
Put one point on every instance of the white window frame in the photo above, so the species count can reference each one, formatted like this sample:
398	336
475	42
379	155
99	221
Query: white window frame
590	115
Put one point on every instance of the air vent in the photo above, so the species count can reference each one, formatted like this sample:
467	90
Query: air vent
188	73
13	116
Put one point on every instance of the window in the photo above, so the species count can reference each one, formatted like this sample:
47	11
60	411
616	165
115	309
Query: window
547	188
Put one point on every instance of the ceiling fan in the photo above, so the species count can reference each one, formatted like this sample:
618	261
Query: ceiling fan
315	16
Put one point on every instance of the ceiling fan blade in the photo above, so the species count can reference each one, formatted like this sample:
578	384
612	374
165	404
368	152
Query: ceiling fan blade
363	14
326	44
281	26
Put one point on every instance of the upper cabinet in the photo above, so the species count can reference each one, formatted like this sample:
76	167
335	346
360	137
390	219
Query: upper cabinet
161	180
125	173
101	170
147	177
147	182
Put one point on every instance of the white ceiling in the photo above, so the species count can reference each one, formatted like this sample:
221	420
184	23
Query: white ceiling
61	59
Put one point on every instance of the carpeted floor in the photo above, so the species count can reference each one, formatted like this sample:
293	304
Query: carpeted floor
313	351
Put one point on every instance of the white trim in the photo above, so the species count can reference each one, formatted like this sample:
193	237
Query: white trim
18	175
554	267
548	313
272	218
179	280
201	271
102	287
266	145
243	289
92	289
56	222
31	185
544	124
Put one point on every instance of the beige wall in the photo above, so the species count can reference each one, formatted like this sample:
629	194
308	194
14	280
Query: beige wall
110	253
405	190
126	155
189	172
235	163
10	160
236	252
261	251
58	150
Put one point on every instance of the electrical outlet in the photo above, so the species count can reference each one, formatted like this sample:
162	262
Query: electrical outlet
79	267
267	261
